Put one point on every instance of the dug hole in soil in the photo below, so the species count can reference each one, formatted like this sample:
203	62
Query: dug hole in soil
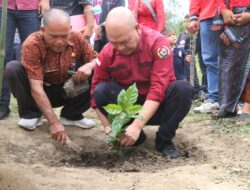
210	160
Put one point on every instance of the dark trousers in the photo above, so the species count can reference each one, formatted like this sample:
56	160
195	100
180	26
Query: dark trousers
203	67
18	82
26	21
177	103
197	87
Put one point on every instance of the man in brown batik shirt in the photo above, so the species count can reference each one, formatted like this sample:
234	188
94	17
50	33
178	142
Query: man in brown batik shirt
38	82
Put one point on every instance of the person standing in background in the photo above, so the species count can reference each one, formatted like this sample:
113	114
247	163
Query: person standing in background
26	17
234	78
76	7
100	32
149	13
201	18
184	42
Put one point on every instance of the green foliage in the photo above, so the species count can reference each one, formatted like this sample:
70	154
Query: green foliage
121	113
172	17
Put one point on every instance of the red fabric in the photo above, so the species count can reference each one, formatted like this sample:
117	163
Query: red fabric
144	16
234	3
204	9
151	73
22	4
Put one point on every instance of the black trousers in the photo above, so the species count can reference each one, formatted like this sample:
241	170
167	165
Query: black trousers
178	100
18	82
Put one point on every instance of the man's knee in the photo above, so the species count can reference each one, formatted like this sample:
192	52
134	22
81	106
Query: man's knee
106	93
183	90
12	68
100	92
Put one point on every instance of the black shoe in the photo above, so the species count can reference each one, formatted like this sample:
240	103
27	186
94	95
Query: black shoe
4	111
141	139
169	150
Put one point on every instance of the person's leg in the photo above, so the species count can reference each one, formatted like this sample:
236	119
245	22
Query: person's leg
74	107
202	65
210	54
10	32
197	87
106	93
27	23
17	79
178	100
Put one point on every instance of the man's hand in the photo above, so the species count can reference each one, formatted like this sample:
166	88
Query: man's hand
193	26
228	16
242	18
58	132
88	30
131	135
98	31
43	6
83	73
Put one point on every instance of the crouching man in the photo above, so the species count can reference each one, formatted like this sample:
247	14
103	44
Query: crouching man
42	81
137	54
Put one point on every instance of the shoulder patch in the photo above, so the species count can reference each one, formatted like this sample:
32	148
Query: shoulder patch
163	52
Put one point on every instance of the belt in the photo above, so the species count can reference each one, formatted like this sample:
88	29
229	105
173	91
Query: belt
238	10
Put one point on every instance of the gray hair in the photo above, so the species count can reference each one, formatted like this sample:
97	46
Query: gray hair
56	14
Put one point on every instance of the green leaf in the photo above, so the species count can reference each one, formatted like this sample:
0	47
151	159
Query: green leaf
111	118
131	95
132	110
120	114
120	98
113	109
117	124
128	97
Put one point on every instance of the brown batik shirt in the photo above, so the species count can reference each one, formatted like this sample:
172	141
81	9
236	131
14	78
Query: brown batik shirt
43	64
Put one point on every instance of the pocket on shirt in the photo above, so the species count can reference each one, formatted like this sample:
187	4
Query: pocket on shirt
51	75
120	72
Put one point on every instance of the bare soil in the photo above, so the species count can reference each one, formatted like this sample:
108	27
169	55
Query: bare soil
215	156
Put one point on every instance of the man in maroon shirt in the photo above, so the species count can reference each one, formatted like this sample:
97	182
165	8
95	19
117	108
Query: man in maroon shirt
137	54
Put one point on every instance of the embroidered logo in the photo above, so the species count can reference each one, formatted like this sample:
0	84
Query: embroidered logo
163	52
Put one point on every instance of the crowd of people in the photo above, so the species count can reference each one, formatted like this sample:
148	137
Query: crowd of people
60	68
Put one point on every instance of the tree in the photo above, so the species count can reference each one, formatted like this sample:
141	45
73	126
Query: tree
173	19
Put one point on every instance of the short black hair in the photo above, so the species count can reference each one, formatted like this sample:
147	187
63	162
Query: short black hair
186	16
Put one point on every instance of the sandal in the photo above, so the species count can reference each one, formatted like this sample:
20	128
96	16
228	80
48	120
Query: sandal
222	114
243	119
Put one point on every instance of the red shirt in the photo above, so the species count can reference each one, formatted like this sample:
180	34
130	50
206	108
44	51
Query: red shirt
22	4
43	64
234	3
150	66
144	16
204	9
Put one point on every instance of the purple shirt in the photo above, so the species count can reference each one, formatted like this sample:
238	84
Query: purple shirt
22	4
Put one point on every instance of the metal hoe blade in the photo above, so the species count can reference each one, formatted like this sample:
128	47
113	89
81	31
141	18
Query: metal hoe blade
73	145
